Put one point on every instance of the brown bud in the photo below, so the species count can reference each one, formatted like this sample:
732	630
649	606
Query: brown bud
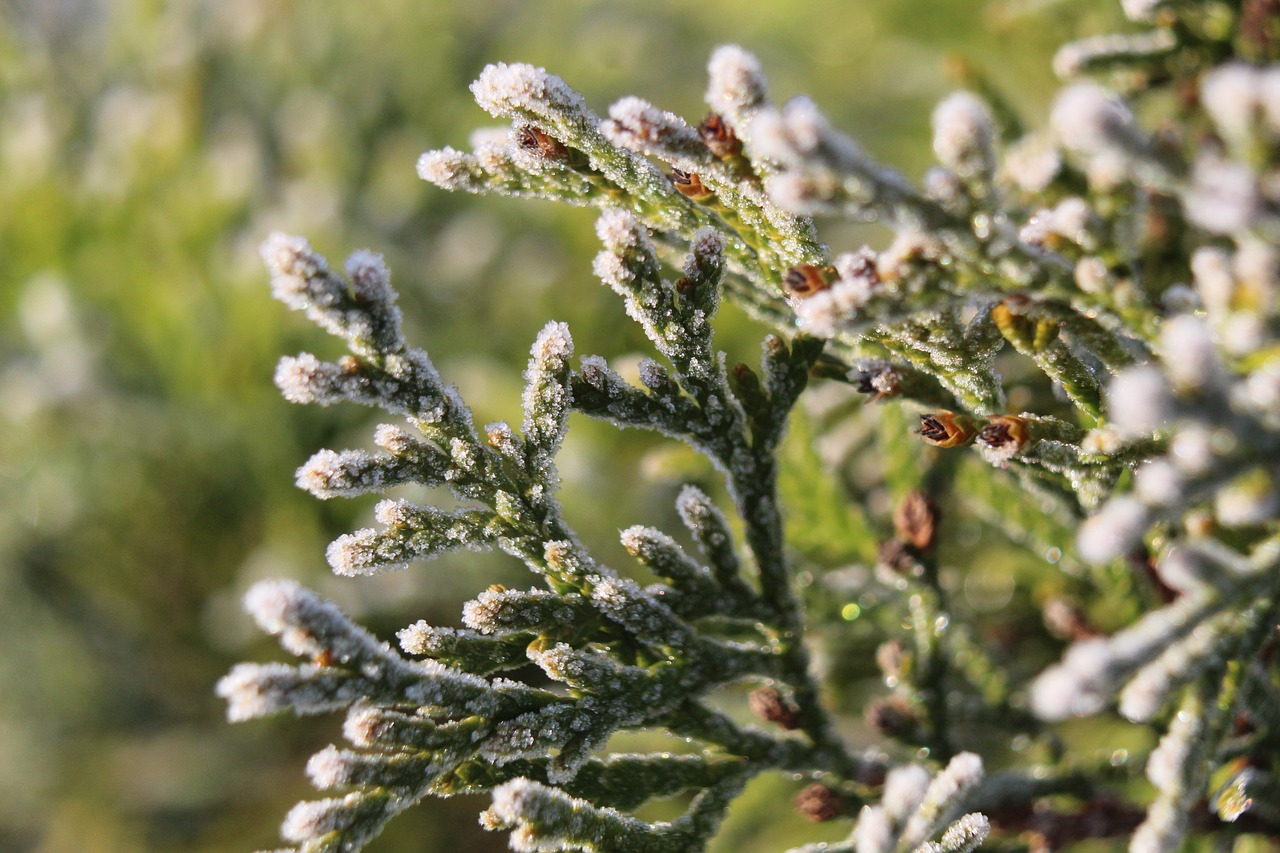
538	141
719	137
947	429
772	707
916	520
1006	432
893	717
690	185
804	280
819	803
349	365
324	657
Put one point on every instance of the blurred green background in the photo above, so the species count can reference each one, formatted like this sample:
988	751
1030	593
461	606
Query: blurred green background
146	476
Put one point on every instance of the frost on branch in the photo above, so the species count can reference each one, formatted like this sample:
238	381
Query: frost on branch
1077	323
629	656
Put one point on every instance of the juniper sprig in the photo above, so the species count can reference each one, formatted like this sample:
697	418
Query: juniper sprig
1083	323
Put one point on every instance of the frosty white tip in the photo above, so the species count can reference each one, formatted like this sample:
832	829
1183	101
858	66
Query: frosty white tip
1138	401
311	820
286	254
519	89
1113	531
964	134
1231	95
904	790
1190	356
370	277
736	81
1089	120
448	169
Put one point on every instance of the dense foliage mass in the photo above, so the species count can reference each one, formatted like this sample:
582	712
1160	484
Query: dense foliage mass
1083	322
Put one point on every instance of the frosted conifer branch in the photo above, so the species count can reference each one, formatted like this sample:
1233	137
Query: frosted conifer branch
355	819
1102	53
916	807
545	819
1179	768
1132	274
535	609
711	531
364	313
639	126
352	666
777	235
737	87
349	473
965	835
547	399
665	558
821	170
471	651
1184	641
942	798
410	534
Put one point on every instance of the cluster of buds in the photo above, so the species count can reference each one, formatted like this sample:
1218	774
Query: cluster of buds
1001	438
